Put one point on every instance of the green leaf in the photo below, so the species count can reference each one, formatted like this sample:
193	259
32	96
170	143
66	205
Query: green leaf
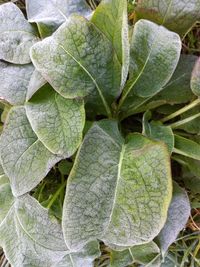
14	80
195	79
35	83
154	54
17	35
24	158
178	214
178	16
192	126
178	89
111	18
118	190
58	122
84	258
187	147
65	167
159	132
50	14
78	58
142	254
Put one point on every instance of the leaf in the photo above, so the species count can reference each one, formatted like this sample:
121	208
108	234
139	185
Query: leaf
195	79
187	147
142	254
118	191
25	160
178	16
17	35
84	258
58	122
14	80
154	54
192	126
177	90
178	214
35	83
50	14
159	132
111	18
76	59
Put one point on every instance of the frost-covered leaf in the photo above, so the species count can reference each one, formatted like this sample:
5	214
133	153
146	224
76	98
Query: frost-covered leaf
24	158
16	35
187	147
118	191
176	15
178	214
50	14
142	254
157	131
35	83
14	80
84	258
178	89
111	18
76	59
195	79
154	54
58	122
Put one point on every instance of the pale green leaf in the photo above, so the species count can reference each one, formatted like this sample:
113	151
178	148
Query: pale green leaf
14	80
24	158
142	254
58	122
154	54
187	147
50	14
118	191
76	59
35	83
111	18
178	214
178	89
16	35
178	16
195	79
157	131
84	258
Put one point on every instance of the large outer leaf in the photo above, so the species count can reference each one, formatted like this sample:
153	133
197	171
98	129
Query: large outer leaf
154	54
16	35
142	254
49	14
58	122
78	58
14	80
117	192
111	18
24	158
178	214
176	15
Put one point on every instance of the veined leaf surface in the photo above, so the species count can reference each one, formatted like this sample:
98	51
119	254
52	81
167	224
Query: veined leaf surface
78	58
118	191
154	54
58	122
24	158
16	35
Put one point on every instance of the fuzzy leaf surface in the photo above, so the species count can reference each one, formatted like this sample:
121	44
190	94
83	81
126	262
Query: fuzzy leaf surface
108	194
14	80
175	15
24	158
154	54
178	214
16	35
58	122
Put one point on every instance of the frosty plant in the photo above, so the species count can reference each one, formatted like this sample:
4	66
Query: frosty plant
77	87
